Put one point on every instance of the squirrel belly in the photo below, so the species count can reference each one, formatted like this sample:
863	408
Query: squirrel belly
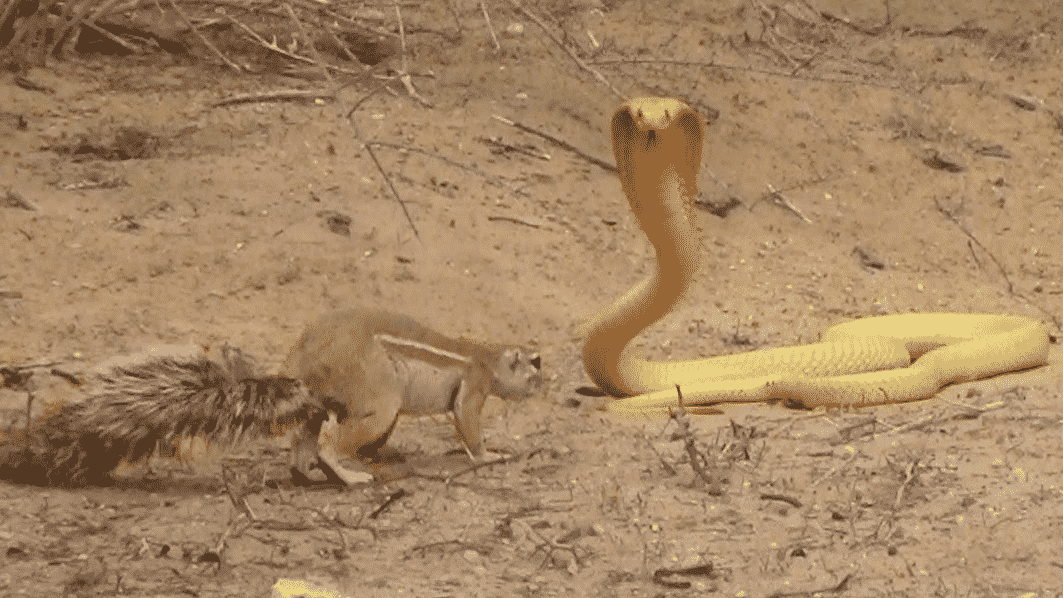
159	395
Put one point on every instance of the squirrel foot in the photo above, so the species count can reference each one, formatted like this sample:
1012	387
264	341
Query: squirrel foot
330	465
307	454
486	456
335	474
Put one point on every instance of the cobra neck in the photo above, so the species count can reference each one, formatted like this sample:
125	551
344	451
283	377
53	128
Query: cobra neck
662	207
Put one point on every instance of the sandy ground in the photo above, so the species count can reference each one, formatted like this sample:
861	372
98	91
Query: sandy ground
919	154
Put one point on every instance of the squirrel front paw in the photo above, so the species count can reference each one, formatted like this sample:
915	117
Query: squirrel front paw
488	457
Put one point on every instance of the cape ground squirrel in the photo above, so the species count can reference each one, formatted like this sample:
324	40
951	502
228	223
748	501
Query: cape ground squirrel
364	366
378	364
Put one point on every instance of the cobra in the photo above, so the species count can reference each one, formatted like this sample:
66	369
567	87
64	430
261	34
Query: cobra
872	361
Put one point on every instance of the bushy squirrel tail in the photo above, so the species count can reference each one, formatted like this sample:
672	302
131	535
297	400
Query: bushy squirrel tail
159	395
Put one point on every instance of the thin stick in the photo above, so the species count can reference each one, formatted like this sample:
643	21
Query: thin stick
309	42
780	199
266	44
515	220
343	45
873	31
713	486
527	150
404	74
838	587
279	50
114	38
477	466
490	29
1003	272
72	14
583	65
456	164
407	82
402	36
237	498
394	496
29	366
970	235
909	476
782	498
363	99
836	470
558	142
101	12
275	96
457	20
553	544
8	7
749	69
31	25
393	191
203	38
447	479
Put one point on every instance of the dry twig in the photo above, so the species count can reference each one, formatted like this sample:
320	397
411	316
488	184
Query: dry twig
78	18
779	199
321	64
558	142
490	28
553	545
583	65
206	42
1000	267
838	587
390	500
273	47
909	475
363	99
516	220
461	165
697	460
391	186
853	453
404	74
277	96
236	497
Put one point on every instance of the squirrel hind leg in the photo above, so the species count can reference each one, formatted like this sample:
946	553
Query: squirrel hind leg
307	453
304	452
329	464
369	451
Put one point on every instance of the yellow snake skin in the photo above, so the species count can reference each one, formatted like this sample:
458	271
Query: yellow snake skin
872	361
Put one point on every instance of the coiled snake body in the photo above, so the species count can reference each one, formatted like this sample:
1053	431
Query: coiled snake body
871	361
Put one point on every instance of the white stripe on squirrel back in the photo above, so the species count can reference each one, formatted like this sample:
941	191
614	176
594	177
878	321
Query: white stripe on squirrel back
419	346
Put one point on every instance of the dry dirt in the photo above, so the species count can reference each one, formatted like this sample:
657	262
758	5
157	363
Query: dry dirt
922	151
